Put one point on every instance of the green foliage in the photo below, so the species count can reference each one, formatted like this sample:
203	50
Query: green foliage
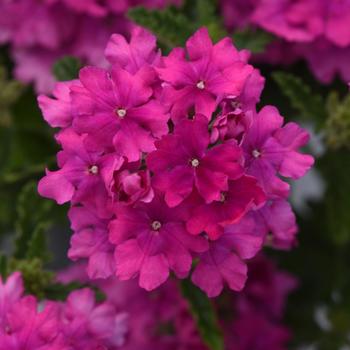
36	279
170	25
335	167
308	103
255	40
338	122
66	68
173	26
10	91
32	221
204	315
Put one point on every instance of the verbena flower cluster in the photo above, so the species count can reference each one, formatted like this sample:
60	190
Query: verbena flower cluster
121	322
41	31
166	161
256	322
78	323
316	30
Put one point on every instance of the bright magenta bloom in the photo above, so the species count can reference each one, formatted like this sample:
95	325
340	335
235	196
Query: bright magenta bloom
157	180
183	161
316	30
78	323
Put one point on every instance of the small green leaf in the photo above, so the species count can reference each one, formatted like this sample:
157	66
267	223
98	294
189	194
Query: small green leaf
204	314
37	245
32	213
338	123
254	40
3	266
170	25
66	68
307	102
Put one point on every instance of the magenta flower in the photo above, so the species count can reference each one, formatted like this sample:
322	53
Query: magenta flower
183	161
140	52
79	322
242	195
212	73
116	110
90	241
129	186
10	292
57	111
26	328
271	149
266	335
79	178
223	262
151	240
150	194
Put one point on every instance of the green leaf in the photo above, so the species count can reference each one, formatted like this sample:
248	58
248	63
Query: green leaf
37	245
66	68
204	314
170	25
307	102
3	266
254	40
174	25
32	216
338	123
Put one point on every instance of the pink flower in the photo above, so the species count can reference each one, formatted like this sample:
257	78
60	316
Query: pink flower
294	20
129	186
27	328
87	325
152	239
10	292
183	161
255	332
79	322
90	241
116	110
211	73
242	195
270	149
150	194
267	290
277	219
57	111
79	178
223	262
140	52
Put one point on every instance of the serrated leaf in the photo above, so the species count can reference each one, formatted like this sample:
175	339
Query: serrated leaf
37	245
335	166
3	266
338	123
66	68
32	212
170	25
204	314
307	102
254	40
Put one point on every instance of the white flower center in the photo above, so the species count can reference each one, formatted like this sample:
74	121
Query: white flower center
256	153
222	197
121	112
201	85
93	170
156	225
195	162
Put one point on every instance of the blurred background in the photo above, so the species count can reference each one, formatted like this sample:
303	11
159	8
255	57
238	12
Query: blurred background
298	82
